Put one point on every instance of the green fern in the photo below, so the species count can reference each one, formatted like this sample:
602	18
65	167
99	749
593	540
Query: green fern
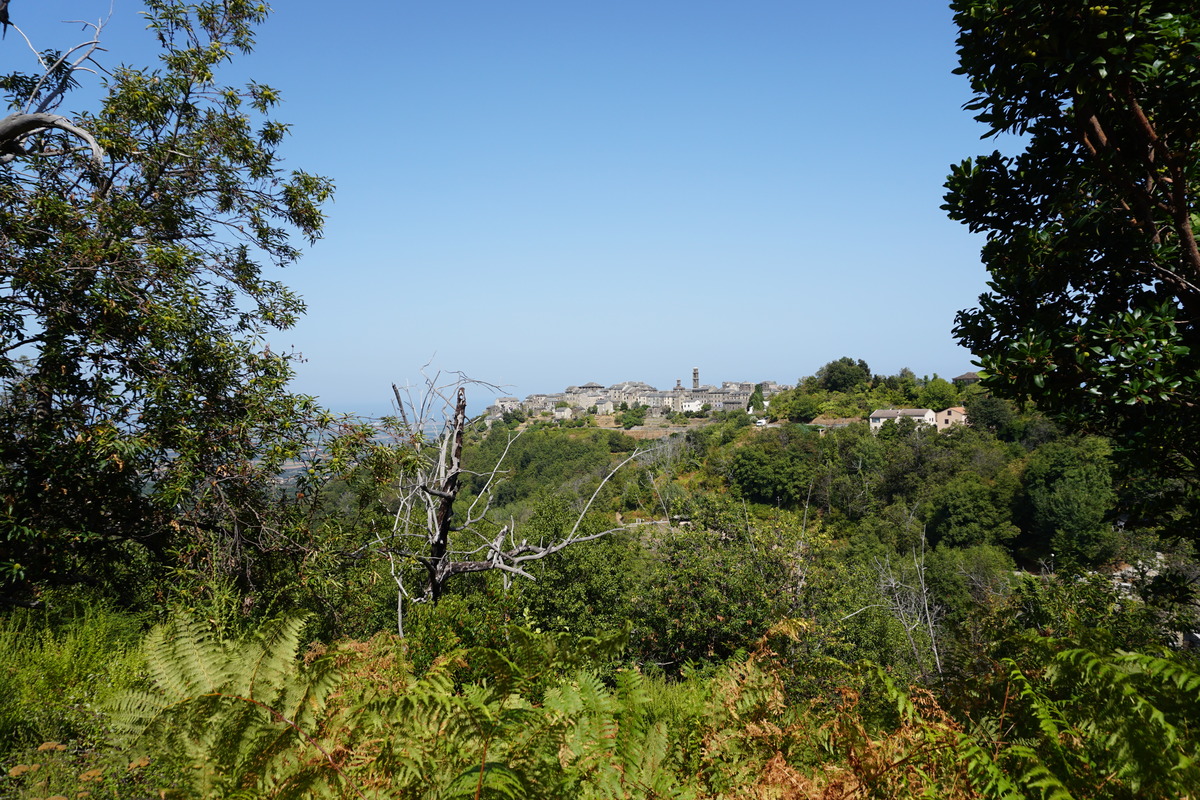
248	719
1106	724
233	717
611	746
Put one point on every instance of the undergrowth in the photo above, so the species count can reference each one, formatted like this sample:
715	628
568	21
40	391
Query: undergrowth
195	715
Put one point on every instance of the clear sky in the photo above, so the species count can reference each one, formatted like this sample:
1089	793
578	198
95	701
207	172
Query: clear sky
548	192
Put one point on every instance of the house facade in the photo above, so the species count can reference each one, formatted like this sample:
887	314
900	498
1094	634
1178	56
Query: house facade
922	416
955	415
942	420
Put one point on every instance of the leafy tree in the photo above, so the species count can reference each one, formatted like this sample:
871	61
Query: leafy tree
903	385
938	394
583	589
986	412
766	475
843	374
1069	491
756	402
967	512
136	391
704	596
632	417
1093	307
842	405
517	416
795	405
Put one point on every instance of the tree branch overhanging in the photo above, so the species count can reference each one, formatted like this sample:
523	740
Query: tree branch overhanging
58	76
15	128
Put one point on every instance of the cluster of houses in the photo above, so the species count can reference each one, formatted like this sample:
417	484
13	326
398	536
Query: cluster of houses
575	400
947	418
956	415
729	396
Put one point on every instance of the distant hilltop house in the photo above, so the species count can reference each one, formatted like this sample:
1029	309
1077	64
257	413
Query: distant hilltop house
730	396
941	420
966	379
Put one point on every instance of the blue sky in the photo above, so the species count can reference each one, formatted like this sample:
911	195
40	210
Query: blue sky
553	192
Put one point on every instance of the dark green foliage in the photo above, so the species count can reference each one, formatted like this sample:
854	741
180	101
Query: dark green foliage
541	460
970	584
1089	610
1092	305
140	410
1069	490
774	467
903	385
703	596
757	402
992	414
843	374
632	417
581	589
967	512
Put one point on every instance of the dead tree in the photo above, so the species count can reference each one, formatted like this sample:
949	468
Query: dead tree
910	601
424	531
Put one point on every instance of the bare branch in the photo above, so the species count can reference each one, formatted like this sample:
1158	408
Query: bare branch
16	127
422	524
92	46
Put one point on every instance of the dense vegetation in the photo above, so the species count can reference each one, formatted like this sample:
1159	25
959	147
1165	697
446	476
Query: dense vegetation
205	578
833	615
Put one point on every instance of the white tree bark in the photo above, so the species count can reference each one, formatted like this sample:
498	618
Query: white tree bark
55	81
423	531
16	128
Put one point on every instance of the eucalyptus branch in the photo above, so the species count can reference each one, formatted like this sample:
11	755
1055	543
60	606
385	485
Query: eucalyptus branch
16	127
92	46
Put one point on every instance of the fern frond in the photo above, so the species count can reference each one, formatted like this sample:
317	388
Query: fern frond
185	657
243	712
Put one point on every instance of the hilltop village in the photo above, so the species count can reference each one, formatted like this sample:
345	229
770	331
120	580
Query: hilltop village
597	399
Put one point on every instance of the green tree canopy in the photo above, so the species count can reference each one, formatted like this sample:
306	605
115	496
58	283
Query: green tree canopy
756	402
1069	493
138	401
844	374
988	413
1093	305
938	394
